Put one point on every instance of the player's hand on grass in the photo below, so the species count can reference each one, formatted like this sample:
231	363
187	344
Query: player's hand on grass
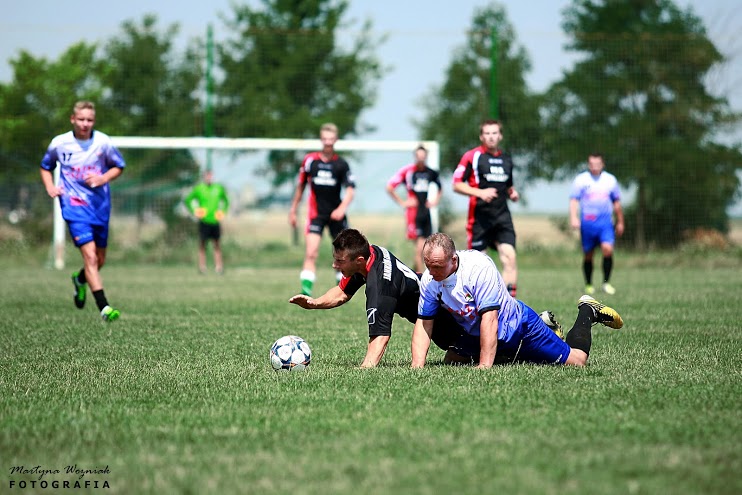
302	300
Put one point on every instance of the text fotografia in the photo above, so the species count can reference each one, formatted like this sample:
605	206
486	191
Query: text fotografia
73	469
54	484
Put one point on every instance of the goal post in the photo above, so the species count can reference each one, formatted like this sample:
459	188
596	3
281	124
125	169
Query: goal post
245	144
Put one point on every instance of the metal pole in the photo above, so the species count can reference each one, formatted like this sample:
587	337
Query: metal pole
494	96
209	127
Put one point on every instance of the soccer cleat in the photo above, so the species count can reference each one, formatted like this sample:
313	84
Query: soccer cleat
306	287
609	289
551	322
603	314
109	314
589	289
80	291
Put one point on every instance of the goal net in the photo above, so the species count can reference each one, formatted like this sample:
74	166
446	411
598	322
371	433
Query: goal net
241	165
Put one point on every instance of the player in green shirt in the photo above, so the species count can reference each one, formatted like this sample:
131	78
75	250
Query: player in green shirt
208	202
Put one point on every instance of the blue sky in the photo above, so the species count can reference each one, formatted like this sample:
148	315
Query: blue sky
422	36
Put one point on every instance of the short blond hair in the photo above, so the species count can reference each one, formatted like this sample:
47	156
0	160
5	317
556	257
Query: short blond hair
83	105
329	126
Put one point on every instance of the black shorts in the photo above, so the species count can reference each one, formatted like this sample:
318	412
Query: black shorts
317	225
208	231
501	231
423	226
449	335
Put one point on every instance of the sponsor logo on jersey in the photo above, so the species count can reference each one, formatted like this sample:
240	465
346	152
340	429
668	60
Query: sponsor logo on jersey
496	174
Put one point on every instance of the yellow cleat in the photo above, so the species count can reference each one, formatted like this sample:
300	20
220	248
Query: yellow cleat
603	314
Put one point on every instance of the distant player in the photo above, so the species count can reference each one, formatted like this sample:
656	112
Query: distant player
326	173
88	161
417	178
209	203
489	322
485	174
596	196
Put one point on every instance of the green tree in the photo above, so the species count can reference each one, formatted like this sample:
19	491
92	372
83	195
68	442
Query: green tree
285	72
36	105
639	96
153	91
453	111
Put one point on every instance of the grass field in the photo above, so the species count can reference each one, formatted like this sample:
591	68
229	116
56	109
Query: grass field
178	395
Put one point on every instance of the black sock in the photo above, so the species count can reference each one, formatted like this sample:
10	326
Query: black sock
587	269
100	299
513	289
607	267
81	276
580	335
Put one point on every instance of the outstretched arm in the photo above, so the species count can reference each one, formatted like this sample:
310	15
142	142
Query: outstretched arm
331	299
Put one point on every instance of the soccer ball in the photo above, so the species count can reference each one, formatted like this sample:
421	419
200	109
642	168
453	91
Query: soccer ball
290	353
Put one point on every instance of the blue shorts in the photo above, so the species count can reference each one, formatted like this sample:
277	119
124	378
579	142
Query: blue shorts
532	342
594	234
82	233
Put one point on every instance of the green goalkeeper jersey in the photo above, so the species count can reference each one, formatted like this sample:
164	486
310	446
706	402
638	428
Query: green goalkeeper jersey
210	197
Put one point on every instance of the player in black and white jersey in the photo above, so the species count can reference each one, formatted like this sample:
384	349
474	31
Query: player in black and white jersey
327	174
391	287
418	179
485	174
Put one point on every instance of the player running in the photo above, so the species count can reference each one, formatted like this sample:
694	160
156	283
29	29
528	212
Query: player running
485	174
417	177
327	174
88	162
596	195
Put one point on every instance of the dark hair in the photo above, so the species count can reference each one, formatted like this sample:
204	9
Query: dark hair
490	122
353	243
596	154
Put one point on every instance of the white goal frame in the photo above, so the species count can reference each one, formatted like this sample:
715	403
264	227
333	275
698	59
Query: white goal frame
244	144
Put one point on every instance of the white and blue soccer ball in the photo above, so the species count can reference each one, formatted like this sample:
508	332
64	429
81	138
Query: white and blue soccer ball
290	353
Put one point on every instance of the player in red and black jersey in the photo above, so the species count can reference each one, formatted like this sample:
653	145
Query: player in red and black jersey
485	174
327	174
417	177
391	287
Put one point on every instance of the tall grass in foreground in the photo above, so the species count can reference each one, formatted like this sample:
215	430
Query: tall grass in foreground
178	396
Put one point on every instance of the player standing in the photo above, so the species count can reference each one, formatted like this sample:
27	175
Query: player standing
327	173
596	195
418	178
88	161
485	174
208	201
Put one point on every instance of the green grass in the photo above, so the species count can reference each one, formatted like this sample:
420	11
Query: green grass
178	395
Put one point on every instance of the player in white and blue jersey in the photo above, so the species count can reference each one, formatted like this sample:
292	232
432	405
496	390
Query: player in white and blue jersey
486	321
88	162
597	197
